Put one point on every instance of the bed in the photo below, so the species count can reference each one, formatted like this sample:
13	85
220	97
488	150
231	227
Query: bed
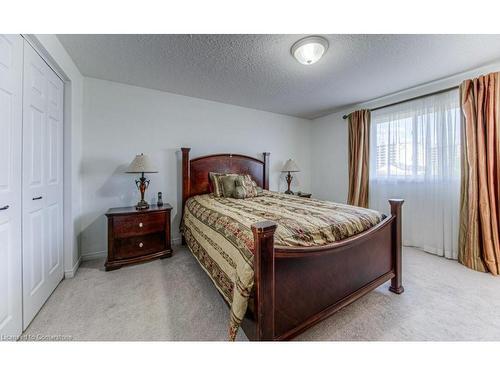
284	263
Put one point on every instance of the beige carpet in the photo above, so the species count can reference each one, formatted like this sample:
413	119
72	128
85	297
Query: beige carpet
173	299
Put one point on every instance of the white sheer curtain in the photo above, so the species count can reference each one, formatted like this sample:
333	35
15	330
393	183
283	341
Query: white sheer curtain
415	155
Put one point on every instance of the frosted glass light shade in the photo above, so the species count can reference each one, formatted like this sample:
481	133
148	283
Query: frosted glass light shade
309	50
290	166
141	164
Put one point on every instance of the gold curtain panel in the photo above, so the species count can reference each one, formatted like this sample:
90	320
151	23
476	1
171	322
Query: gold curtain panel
479	246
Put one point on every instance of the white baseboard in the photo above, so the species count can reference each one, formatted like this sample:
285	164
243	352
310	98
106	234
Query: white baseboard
71	273
96	255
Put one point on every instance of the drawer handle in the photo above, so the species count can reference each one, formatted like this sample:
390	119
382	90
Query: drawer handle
4	208
140	225
141	244
37	198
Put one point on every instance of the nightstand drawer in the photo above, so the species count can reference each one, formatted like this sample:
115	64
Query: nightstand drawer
138	246
138	225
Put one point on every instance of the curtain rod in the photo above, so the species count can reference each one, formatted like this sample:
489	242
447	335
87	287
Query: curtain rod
410	99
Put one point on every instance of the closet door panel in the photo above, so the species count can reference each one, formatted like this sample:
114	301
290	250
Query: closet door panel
11	70
5	272
54	249
34	161
54	175
35	117
36	247
42	183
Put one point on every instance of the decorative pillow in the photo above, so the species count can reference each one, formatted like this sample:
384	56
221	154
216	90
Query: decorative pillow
228	185
212	183
248	185
239	192
216	187
260	191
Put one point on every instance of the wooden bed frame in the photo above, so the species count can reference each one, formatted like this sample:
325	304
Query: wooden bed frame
297	287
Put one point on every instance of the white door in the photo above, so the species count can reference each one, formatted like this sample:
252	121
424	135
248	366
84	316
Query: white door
42	183
11	80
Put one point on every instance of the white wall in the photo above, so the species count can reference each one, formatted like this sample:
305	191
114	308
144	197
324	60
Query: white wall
58	58
329	137
121	121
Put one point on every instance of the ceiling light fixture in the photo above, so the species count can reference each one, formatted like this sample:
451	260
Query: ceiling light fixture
309	50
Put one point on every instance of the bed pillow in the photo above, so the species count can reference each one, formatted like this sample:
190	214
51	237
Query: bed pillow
260	191
212	183
216	185
239	192
228	185
245	187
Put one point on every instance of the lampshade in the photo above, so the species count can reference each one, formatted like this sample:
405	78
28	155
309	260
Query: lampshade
290	166
141	164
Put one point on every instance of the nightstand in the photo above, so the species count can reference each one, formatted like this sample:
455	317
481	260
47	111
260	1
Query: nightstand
136	236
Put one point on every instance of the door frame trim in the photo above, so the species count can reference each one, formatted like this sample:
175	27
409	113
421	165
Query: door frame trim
45	56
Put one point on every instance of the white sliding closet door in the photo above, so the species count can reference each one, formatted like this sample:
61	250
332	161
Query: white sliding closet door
42	183
11	80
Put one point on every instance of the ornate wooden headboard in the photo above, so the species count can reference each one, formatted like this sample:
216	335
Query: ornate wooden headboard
195	180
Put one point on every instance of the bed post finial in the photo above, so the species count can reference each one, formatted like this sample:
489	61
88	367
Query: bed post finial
266	170
263	235
186	182
396	243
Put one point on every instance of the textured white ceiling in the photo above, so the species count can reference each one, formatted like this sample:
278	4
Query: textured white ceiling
257	71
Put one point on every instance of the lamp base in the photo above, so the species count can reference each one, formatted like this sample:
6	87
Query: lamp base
289	182
142	184
142	205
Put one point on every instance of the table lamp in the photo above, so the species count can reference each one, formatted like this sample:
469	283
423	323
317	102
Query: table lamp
141	164
290	166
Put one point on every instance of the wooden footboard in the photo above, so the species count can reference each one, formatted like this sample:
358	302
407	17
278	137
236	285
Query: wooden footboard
296	288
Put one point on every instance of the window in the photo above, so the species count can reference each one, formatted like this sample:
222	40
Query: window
415	155
417	140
